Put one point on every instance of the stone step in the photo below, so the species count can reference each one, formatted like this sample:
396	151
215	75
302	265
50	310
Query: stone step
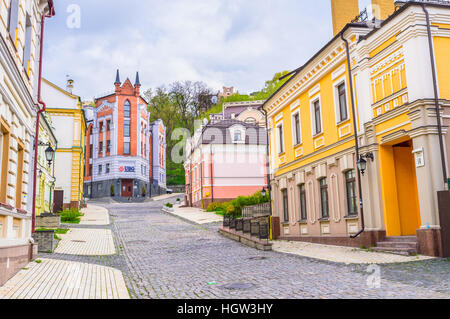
398	244
398	251
401	238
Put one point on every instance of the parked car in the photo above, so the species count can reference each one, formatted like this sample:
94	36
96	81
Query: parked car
169	191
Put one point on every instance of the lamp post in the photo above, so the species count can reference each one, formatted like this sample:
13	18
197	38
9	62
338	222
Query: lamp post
49	154
362	163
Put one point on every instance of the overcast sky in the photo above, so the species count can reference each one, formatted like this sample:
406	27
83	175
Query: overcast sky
220	42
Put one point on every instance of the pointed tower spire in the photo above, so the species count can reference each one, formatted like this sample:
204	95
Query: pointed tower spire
117	77
137	82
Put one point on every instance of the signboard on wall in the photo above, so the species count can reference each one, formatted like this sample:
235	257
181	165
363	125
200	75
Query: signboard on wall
127	169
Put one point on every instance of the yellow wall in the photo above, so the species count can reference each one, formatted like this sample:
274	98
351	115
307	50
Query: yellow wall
442	49
330	130
343	12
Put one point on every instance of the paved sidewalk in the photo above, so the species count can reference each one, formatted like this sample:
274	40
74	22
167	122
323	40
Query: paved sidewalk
167	196
86	242
340	254
59	279
195	215
94	215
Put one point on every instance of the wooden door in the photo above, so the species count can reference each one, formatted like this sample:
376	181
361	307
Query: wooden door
58	200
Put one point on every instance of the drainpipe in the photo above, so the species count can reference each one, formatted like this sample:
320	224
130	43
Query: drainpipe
50	14
355	128
211	174
436	96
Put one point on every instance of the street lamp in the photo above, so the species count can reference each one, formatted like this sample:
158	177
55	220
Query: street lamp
362	163
263	192
49	153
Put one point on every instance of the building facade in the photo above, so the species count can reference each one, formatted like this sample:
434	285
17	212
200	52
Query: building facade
158	147
45	169
68	120
225	159
20	34
119	150
313	119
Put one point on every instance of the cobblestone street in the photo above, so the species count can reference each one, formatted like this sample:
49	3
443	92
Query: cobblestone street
162	256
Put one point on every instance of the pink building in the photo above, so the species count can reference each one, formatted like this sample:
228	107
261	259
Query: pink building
224	160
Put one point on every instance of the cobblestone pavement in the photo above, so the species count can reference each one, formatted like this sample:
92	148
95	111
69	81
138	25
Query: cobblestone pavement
162	256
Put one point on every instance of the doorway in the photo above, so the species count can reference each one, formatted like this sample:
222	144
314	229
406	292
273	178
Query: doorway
399	189
127	188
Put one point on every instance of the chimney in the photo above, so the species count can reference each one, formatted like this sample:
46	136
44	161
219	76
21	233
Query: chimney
343	12
69	85
382	9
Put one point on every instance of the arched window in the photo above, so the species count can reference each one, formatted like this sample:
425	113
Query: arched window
250	120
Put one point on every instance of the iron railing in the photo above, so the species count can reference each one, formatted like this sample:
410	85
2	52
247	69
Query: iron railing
256	210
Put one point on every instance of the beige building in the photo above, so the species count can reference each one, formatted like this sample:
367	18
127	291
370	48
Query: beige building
19	60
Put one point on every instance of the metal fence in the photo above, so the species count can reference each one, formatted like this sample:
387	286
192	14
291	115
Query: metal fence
256	210
256	227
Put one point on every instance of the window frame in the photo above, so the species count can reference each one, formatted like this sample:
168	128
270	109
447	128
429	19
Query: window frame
296	139
124	148
285	197
324	193
351	180
127	109
313	102
337	103
302	201
280	137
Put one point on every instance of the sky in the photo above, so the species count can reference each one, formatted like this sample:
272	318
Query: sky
240	43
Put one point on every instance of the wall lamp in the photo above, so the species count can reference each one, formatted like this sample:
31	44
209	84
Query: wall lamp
362	163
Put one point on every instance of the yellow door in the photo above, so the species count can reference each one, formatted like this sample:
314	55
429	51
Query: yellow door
408	199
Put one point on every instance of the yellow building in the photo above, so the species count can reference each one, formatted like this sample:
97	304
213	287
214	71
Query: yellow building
67	115
402	168
45	169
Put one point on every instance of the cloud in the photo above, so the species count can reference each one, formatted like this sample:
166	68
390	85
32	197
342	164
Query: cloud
220	42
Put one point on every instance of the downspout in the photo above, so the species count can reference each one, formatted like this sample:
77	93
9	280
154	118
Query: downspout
355	128
211	174
436	97
36	138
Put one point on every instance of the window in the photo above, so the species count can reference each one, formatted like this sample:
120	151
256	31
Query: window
280	139
296	128
99	170
27	46
107	169
350	187
19	181
324	197
342	100
100	148
108	125
126	147
4	155
285	205
13	18
101	127
90	170
237	135
126	128
90	151
99	187
302	190
127	109
108	146
317	118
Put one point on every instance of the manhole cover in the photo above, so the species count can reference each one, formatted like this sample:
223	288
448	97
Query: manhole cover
258	258
237	286
78	241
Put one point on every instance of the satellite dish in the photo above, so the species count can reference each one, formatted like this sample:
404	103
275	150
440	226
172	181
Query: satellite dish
205	121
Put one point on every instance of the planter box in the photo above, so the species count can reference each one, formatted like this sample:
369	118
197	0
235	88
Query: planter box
47	220
45	240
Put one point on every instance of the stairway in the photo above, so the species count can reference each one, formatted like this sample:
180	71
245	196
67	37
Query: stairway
402	245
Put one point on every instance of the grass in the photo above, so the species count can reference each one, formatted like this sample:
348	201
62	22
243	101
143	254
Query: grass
70	216
38	261
57	232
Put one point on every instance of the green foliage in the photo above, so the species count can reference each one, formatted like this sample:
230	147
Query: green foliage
175	173
71	216
168	205
111	190
234	207
213	207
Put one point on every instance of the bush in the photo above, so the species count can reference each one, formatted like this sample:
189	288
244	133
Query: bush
111	190
234	207
214	206
168	205
71	216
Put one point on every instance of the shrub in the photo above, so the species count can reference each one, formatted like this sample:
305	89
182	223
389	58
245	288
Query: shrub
168	205
70	216
111	190
213	207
